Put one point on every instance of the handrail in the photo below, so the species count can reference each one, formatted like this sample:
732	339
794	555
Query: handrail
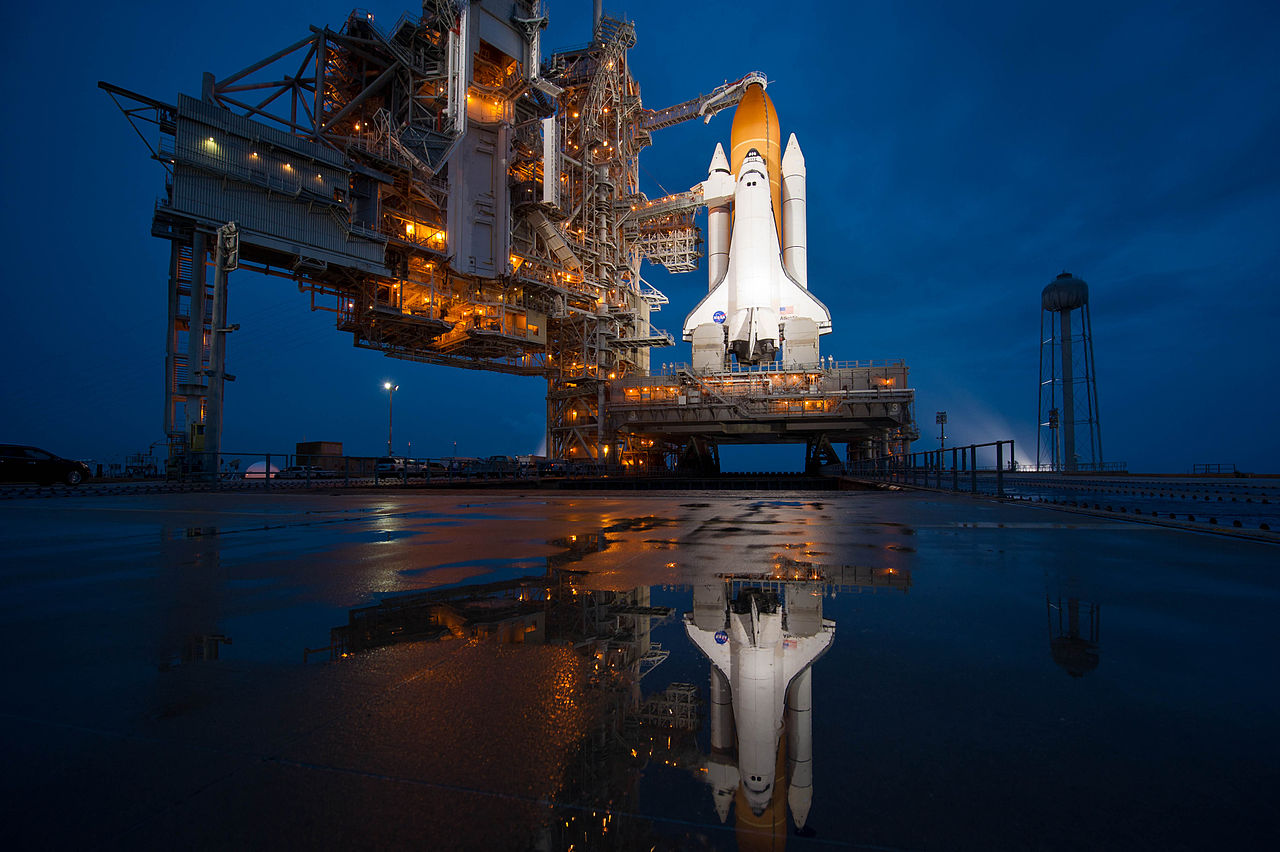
778	367
919	468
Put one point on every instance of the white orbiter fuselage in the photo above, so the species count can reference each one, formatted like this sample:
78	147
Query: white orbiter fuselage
758	289
761	661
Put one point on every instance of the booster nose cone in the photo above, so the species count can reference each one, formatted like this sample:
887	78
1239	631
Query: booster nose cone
793	158
719	162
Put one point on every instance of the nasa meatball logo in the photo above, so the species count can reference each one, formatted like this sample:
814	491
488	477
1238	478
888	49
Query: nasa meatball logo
721	637
718	316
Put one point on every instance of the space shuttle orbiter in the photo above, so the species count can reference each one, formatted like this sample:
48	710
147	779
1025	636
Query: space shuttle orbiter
766	668
758	301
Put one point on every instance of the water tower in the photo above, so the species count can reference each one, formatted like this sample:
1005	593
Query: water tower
1068	392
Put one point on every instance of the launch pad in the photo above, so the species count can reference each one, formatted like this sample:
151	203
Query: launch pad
455	197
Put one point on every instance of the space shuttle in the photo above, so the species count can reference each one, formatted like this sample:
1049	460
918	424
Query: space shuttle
758	302
761	675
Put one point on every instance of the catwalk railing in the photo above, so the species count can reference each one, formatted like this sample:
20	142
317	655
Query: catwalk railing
975	468
238	471
307	469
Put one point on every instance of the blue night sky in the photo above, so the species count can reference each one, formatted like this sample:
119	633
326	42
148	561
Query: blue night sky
960	155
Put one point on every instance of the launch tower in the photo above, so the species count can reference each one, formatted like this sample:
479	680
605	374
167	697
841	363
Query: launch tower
456	197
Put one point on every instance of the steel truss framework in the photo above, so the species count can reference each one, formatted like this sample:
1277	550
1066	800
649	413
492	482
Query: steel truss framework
449	195
1068	397
395	114
685	412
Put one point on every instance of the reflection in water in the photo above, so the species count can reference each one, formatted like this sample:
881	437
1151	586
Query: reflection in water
191	584
1074	619
190	592
761	643
592	804
613	626
1073	642
510	612
761	633
203	647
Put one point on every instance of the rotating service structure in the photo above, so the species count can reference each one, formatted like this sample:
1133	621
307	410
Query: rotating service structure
456	197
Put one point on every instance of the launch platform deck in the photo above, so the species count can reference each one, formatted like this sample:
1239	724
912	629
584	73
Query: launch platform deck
846	402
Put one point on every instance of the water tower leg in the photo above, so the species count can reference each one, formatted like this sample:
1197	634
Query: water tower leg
1067	419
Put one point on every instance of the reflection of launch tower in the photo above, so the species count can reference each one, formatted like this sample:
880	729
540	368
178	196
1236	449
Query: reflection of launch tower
1068	392
761	649
1073	639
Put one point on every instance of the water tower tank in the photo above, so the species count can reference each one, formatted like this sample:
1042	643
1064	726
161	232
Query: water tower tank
1064	293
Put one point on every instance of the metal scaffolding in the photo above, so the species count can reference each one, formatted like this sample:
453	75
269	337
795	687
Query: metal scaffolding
449	195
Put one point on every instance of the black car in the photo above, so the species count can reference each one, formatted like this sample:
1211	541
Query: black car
20	463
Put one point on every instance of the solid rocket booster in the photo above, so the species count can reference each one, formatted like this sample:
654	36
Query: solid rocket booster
718	219
722	771
800	746
795	238
757	250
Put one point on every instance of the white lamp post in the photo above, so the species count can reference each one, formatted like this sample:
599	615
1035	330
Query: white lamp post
391	397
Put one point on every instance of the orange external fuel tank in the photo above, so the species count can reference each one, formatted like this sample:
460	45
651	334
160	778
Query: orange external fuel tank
755	125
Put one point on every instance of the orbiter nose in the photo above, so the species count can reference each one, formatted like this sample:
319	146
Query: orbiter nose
753	162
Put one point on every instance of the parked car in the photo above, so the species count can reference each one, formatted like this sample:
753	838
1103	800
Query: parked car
463	466
431	468
20	463
499	466
390	464
553	467
397	466
305	471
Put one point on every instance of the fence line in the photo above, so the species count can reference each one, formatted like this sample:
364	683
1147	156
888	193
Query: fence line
943	468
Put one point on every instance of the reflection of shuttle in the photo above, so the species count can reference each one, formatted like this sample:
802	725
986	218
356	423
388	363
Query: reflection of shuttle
761	655
759	301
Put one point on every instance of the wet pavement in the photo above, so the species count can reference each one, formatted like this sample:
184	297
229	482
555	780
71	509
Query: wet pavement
507	671
1239	505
